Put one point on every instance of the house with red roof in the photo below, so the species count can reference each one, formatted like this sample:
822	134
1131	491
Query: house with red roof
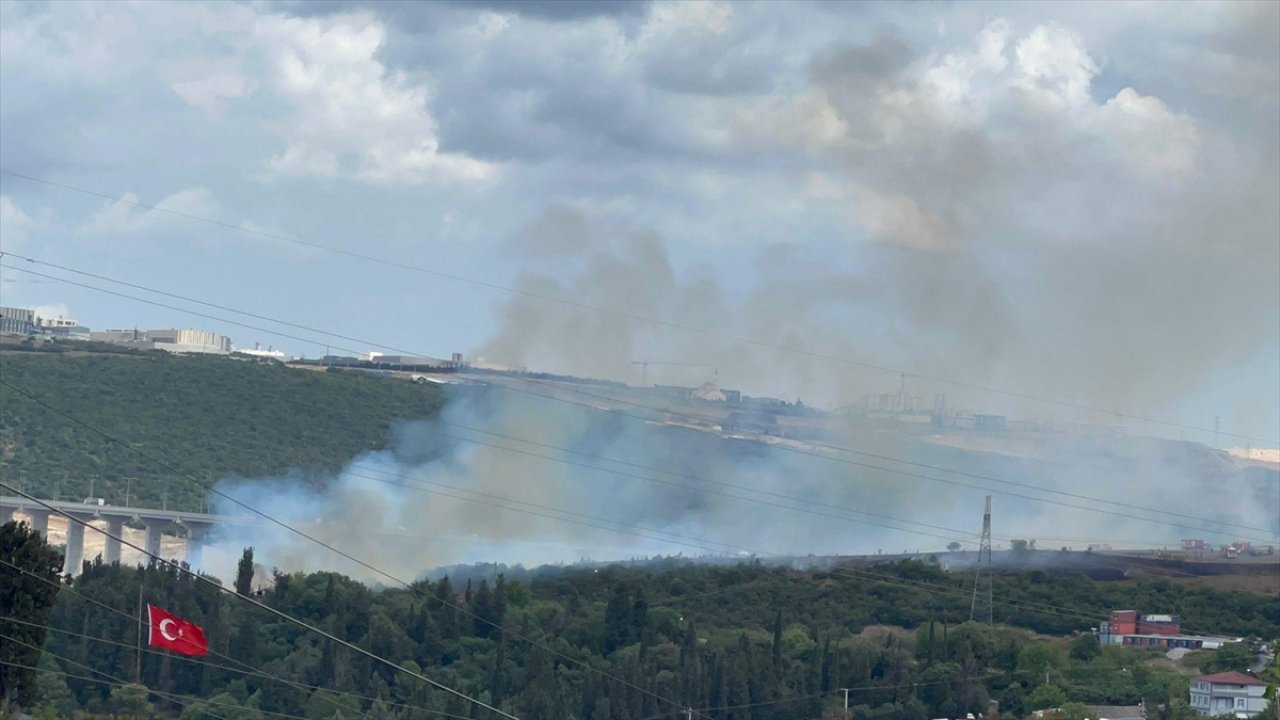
1228	693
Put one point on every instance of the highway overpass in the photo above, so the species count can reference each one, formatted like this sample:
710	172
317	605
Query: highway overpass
156	521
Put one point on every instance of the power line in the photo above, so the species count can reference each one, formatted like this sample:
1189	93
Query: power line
319	542
400	481
278	613
112	680
620	313
855	573
785	448
861	574
116	682
250	672
206	487
64	589
466	611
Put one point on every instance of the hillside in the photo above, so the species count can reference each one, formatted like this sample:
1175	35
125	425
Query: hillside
208	417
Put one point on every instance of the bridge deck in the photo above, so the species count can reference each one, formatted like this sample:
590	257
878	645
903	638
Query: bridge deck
80	509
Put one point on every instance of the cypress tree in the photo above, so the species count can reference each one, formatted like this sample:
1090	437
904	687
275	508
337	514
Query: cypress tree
244	573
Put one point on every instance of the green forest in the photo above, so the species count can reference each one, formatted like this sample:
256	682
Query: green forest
732	642
206	417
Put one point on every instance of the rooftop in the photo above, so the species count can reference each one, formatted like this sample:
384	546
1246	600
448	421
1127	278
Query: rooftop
1118	712
1230	678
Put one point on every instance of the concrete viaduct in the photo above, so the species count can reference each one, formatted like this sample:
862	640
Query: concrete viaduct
197	526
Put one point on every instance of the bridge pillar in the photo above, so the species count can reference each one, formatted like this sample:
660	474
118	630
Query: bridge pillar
75	548
154	532
39	521
195	545
115	527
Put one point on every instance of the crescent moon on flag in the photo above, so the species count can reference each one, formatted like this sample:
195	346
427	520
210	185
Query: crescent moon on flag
164	630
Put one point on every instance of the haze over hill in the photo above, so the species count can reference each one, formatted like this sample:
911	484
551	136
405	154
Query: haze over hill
419	477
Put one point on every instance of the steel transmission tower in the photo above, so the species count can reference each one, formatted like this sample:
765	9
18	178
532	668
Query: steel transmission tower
981	608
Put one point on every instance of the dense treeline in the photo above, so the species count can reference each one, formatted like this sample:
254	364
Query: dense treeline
208	417
741	642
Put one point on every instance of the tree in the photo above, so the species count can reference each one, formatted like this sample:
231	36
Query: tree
244	573
53	697
131	701
1232	656
1046	696
617	620
1037	658
28	587
1086	647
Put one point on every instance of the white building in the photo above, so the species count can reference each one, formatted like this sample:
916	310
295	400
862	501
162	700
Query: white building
190	340
1228	693
61	327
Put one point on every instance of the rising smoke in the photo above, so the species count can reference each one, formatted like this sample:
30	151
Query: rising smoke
1011	224
434	498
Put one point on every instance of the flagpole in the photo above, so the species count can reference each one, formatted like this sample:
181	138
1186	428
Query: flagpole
137	668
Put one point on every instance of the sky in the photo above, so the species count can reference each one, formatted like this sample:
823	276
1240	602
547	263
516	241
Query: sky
1076	201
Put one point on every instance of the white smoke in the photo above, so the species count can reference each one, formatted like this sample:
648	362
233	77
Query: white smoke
432	499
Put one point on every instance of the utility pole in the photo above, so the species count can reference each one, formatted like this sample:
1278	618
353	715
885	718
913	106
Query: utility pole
846	700
128	486
980	610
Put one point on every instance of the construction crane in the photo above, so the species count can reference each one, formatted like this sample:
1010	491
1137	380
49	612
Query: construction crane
644	367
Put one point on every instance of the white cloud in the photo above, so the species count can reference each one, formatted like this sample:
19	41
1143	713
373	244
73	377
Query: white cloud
124	218
15	225
986	117
351	117
1054	68
210	91
1156	142
674	17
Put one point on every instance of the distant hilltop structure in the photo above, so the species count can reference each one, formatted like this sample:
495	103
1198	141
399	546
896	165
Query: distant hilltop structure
1266	455
185	340
26	323
258	351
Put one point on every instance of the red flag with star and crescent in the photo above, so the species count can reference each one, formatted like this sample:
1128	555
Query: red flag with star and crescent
170	632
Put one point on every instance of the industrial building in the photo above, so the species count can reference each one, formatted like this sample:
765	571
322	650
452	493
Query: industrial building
17	321
64	328
1127	627
1228	693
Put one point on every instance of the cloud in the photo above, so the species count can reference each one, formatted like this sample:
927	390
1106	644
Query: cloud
15	224
963	193
123	218
1028	231
351	116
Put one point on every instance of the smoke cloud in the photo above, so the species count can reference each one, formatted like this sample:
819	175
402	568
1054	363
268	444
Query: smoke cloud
1010	223
444	492
1010	216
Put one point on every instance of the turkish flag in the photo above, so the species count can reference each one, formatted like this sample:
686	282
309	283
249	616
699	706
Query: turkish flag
170	632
